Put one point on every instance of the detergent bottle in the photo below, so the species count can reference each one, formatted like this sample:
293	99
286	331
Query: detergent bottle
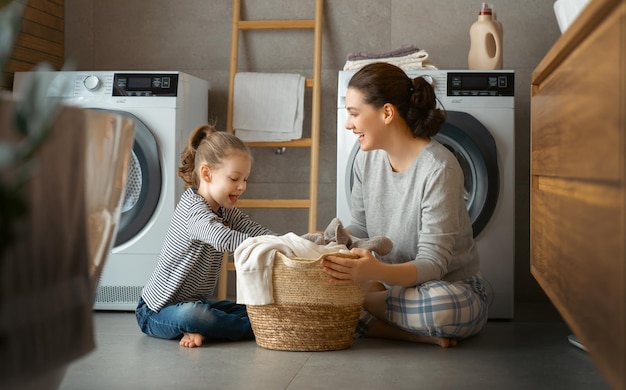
500	31
485	41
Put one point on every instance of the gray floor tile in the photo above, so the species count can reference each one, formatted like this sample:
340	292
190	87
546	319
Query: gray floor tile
520	354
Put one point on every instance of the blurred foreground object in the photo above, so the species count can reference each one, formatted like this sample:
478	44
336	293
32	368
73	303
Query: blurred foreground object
50	271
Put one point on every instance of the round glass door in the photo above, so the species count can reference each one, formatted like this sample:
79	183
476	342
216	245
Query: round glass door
143	185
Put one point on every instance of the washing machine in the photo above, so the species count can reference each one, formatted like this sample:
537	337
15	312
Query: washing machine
480	132
165	106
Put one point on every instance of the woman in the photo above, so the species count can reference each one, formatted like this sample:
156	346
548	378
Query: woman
409	187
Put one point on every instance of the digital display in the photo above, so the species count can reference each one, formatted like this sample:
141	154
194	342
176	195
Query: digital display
139	82
473	82
145	84
480	84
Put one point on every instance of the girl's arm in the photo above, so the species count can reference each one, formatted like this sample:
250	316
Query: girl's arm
206	226
241	222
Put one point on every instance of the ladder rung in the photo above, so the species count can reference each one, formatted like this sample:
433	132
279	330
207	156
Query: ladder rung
275	24
296	143
274	203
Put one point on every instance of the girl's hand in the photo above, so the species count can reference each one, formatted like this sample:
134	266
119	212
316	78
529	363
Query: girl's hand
344	270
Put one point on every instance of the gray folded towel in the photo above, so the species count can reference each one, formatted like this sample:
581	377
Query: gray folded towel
399	52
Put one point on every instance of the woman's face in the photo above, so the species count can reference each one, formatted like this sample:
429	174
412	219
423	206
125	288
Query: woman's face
365	120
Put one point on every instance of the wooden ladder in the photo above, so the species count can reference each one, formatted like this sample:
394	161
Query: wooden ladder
315	24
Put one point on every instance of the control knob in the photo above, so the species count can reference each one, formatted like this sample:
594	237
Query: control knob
91	82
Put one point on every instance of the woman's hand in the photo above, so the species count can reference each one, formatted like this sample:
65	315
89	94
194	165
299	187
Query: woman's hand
344	270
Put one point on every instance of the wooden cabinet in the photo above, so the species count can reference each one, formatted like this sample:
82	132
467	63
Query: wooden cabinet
578	181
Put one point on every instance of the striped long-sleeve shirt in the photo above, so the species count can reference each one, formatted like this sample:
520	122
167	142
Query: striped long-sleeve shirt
191	256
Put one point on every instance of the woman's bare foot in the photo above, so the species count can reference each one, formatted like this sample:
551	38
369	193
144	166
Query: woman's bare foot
443	342
191	340
380	329
446	342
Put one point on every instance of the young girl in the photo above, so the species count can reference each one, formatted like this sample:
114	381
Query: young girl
409	188
175	301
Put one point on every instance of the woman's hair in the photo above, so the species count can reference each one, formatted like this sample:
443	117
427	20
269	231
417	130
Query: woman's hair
415	99
207	146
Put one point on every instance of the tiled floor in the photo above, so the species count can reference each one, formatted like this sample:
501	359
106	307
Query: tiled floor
530	352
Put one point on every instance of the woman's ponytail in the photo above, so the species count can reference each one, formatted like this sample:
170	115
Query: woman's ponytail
423	116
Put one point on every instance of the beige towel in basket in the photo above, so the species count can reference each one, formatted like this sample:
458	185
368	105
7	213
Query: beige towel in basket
254	260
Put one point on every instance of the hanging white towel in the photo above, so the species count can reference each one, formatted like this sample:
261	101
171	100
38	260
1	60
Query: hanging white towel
254	261
268	106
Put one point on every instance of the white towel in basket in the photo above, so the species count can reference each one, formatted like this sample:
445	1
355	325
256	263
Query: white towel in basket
254	261
268	106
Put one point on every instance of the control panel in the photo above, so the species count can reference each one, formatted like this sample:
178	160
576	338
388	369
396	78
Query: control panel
481	84
145	84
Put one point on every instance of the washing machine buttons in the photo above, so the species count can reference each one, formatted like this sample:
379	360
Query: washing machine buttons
91	82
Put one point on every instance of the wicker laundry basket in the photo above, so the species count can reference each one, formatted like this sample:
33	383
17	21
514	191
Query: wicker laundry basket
308	313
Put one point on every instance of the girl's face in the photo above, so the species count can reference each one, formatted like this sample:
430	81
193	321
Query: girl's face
224	184
365	120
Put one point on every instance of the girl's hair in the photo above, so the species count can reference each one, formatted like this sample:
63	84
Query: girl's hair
207	146
414	99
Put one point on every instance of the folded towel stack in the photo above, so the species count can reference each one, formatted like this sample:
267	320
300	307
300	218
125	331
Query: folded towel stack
268	106
405	57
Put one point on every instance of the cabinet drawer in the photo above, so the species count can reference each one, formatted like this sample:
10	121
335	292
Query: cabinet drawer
577	257
575	117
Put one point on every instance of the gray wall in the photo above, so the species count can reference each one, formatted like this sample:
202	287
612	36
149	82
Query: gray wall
194	36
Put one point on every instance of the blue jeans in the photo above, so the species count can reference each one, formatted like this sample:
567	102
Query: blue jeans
213	319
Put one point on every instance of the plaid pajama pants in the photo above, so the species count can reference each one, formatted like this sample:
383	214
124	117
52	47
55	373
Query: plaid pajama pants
435	308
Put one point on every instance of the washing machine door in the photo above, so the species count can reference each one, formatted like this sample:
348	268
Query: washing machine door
475	149
143	186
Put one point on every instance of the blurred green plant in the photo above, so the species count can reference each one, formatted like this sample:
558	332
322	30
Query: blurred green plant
32	120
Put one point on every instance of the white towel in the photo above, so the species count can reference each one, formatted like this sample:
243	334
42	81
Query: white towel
268	106
413	61
254	261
